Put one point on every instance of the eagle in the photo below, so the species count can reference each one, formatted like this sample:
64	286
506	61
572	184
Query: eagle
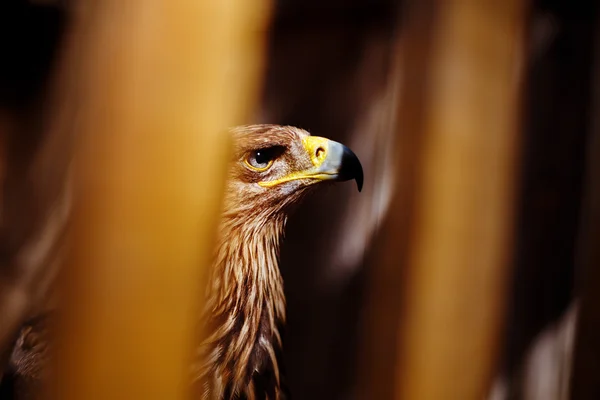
239	357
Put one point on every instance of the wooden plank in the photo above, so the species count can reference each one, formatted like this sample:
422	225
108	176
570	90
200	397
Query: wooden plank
159	83
460	248
447	237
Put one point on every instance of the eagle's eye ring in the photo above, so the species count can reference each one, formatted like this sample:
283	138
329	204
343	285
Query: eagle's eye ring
260	160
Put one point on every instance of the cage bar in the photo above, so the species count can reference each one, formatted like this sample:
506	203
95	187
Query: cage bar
160	82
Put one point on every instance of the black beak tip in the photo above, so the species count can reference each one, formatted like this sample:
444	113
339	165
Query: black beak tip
359	181
351	168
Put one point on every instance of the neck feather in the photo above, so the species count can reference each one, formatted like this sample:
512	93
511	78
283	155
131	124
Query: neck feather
245	307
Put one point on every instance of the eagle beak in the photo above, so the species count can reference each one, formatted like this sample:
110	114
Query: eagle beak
333	161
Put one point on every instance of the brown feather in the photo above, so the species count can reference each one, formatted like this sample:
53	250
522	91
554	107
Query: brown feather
245	301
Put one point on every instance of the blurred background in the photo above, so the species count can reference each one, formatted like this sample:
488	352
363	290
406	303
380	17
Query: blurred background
364	73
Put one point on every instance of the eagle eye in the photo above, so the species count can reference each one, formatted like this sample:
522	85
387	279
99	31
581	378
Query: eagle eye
261	159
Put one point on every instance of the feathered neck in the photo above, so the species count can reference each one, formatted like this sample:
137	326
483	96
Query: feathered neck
245	308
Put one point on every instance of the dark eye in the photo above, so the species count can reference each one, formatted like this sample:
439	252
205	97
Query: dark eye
262	159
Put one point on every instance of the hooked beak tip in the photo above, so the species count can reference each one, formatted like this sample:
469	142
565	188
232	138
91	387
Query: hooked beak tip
351	168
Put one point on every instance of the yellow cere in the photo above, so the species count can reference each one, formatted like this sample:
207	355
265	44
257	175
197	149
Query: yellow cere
317	148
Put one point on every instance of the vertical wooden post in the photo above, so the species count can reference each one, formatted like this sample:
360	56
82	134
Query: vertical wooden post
159	84
454	207
460	245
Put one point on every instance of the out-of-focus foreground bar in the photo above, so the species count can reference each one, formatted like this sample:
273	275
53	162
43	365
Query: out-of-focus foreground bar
158	83
461	120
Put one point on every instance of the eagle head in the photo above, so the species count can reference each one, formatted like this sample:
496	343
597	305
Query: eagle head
274	166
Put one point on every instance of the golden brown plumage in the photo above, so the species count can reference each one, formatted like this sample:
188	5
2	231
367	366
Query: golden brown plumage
245	300
272	168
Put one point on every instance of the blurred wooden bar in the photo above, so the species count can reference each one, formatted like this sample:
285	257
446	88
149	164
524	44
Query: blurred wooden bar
159	82
460	246
463	129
